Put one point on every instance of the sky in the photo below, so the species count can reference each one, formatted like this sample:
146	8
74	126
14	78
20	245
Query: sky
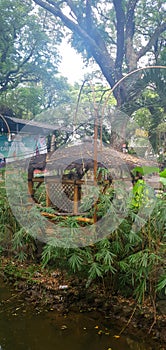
72	65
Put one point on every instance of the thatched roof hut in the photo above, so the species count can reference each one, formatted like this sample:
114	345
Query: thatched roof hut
71	167
76	160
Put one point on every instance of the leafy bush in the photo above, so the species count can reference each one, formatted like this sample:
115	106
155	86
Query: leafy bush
129	262
133	261
13	238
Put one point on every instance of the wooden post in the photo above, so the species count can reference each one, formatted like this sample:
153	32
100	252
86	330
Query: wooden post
95	164
30	190
48	200
52	148
75	208
30	185
95	150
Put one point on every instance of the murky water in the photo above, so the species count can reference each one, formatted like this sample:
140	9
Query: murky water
23	328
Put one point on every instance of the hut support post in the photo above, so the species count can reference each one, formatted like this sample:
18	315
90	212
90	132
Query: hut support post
95	164
75	209
30	185
48	200
30	190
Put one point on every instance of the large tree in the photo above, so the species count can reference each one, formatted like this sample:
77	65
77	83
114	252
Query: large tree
117	34
29	60
27	47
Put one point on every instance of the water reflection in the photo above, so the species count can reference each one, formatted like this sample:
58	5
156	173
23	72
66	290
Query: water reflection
22	328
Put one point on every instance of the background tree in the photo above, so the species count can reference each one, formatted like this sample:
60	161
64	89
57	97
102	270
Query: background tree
152	111
29	80
27	54
30	99
116	35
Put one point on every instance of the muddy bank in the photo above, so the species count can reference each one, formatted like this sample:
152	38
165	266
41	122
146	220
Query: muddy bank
54	290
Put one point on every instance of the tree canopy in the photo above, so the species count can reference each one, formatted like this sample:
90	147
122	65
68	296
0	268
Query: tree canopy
116	34
120	36
27	52
29	79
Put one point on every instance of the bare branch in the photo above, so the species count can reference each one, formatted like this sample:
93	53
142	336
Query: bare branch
73	9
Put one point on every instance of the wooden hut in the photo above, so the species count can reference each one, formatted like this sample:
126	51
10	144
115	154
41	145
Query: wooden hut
71	168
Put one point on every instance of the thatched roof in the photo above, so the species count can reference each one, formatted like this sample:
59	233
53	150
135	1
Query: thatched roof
83	155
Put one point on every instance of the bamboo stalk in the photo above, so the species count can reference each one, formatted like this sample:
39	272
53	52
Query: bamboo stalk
79	218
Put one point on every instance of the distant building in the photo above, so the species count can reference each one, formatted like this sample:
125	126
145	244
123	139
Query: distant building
22	138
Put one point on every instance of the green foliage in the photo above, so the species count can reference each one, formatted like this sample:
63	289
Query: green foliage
24	45
145	170
163	173
76	260
8	224
163	181
141	195
95	271
130	261
161	286
28	61
151	112
13	238
23	244
113	35
139	267
51	251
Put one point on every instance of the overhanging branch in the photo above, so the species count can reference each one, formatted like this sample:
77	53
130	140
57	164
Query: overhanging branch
152	41
93	39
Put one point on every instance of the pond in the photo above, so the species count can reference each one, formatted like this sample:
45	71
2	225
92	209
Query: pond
24	328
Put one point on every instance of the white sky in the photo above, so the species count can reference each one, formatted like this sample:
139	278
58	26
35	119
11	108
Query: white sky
72	65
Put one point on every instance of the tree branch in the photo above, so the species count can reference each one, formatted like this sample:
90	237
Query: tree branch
72	7
130	28
152	40
93	39
8	77
120	16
